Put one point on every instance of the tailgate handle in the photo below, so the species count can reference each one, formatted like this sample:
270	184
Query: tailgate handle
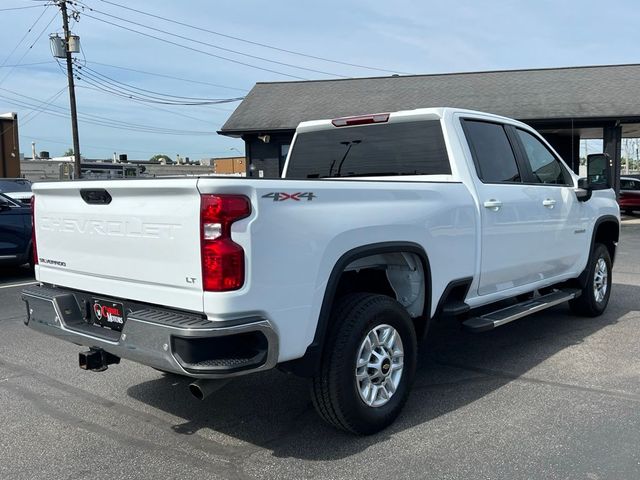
95	196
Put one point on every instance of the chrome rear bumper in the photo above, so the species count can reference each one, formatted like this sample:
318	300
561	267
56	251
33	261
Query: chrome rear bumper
173	341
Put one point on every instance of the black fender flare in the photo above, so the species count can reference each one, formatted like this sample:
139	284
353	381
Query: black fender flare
582	278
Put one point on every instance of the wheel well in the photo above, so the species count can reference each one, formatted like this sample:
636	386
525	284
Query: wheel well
608	233
399	270
399	275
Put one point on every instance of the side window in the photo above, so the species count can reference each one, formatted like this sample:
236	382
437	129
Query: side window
545	166
629	185
492	152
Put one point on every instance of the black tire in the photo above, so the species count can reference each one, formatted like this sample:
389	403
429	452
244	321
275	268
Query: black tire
31	262
334	389
587	305
628	211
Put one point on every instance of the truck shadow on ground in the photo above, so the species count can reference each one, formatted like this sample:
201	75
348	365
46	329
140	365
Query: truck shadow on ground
273	410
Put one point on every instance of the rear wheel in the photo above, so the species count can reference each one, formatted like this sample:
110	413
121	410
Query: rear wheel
595	295
368	364
31	262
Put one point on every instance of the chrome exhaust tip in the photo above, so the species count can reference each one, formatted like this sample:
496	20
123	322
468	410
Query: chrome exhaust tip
202	388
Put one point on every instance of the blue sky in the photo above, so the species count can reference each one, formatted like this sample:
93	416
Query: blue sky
402	36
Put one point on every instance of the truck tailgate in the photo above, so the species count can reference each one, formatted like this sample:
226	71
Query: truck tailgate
135	239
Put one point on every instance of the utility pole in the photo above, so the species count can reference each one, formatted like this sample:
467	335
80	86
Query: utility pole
72	89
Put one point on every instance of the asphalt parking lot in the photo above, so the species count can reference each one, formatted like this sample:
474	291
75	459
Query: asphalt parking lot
550	396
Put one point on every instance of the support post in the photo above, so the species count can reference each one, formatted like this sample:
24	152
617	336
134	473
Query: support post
612	145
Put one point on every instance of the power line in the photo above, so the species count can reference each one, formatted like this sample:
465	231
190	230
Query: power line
155	74
98	84
123	126
164	40
25	64
19	8
150	105
105	87
118	122
30	46
34	113
143	94
222	100
155	107
255	57
21	40
98	120
264	45
38	111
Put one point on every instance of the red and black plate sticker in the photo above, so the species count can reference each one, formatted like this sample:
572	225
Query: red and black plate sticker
108	314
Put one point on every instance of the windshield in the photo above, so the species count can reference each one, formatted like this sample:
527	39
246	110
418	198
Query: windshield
403	148
16	185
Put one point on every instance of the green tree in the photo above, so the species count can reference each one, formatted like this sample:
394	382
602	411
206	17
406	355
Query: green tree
68	152
159	157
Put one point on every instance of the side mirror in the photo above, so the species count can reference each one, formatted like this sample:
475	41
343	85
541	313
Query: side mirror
599	171
4	204
583	192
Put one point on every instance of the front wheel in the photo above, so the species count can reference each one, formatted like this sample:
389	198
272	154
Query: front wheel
595	295
368	364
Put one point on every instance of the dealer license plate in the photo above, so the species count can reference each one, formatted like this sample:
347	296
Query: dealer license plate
108	314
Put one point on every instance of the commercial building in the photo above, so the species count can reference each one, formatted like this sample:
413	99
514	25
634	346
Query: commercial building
564	104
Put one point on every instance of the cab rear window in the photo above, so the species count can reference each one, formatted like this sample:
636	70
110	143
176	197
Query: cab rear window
404	148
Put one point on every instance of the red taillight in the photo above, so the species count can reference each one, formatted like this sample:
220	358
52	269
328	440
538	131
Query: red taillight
33	230
222	258
361	120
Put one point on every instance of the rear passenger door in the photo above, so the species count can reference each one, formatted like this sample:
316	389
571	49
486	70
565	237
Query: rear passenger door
512	230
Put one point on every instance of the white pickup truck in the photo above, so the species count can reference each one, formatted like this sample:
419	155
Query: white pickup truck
380	224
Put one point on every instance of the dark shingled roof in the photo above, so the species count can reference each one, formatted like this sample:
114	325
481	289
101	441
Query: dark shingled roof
554	93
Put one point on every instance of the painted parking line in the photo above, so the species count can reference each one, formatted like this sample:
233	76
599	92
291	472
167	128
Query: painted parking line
23	284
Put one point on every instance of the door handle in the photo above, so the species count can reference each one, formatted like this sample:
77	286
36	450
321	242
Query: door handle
493	204
549	202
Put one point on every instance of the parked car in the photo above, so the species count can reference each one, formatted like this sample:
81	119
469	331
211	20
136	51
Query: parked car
17	189
15	232
381	224
629	199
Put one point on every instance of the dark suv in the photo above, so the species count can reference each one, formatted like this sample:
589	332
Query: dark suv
17	189
15	232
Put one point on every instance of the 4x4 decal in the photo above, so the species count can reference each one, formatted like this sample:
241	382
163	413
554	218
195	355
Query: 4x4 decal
282	196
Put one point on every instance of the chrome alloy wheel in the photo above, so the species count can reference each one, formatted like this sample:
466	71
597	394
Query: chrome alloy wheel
379	365
600	280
